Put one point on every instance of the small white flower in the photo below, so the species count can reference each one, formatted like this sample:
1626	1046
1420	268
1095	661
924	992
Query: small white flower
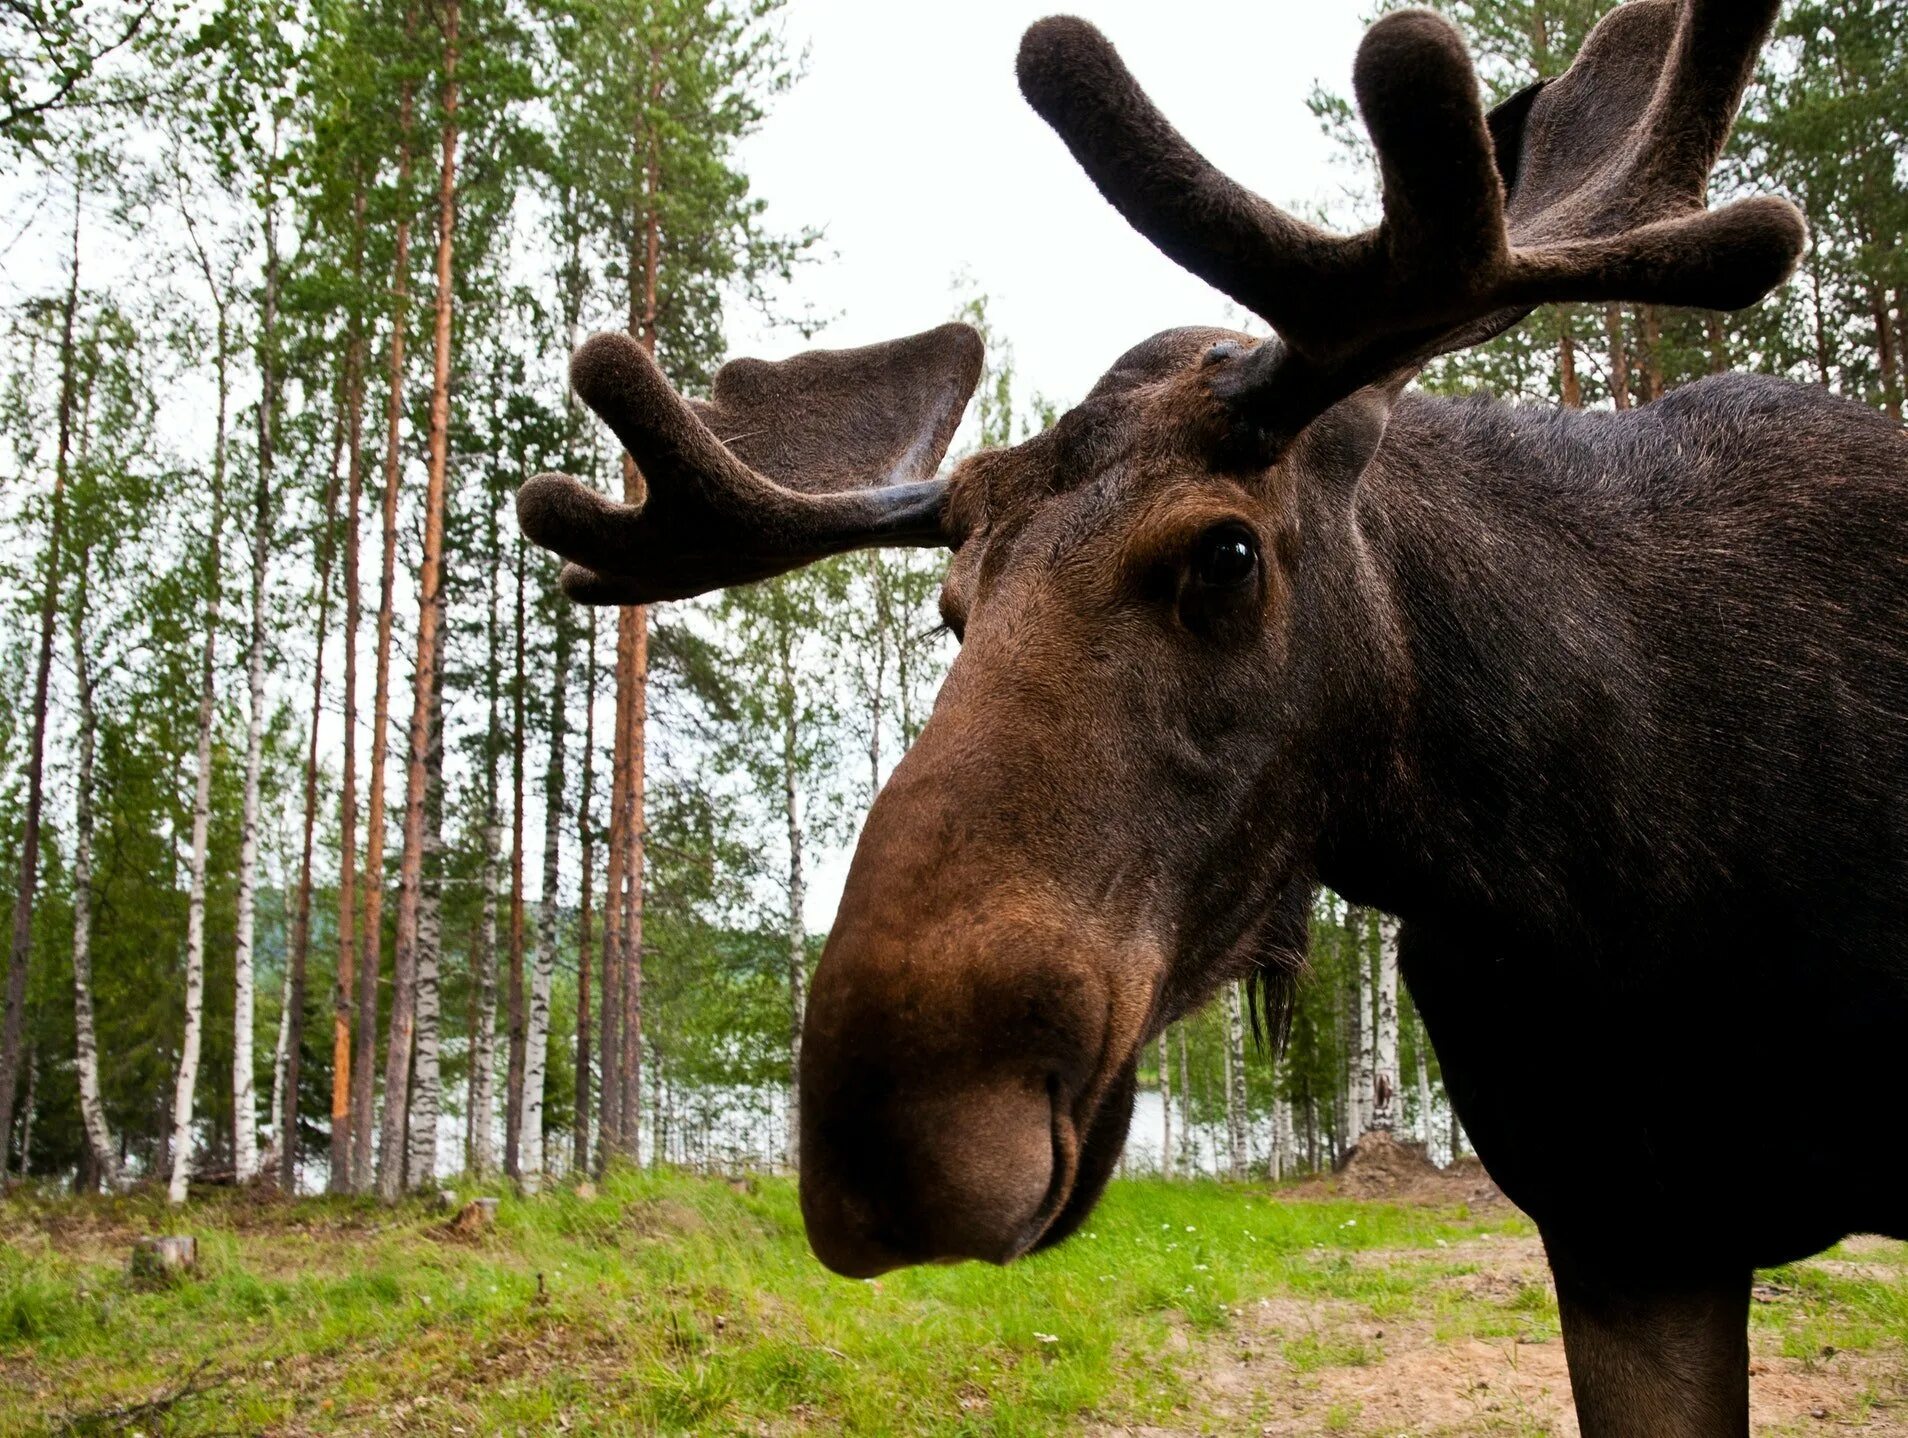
1046	1337
1190	1229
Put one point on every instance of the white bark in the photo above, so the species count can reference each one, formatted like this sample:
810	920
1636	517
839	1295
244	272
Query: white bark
1237	1149
1165	1108
188	1076
1424	1089
1358	1078
1384	1110
244	955
427	1086
797	895
536	1049
92	1110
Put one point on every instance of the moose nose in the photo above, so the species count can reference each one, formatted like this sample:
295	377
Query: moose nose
944	1066
893	1176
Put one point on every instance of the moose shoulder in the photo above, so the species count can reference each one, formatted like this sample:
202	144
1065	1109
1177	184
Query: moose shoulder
1611	710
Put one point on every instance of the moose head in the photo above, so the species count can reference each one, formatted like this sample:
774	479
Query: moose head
1171	713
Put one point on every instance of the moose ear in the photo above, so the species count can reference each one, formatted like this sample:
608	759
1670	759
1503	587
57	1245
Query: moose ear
847	419
786	463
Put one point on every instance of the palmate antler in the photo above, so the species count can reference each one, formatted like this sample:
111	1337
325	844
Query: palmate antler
1606	170
787	463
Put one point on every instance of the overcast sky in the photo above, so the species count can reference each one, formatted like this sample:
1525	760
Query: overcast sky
909	144
907	141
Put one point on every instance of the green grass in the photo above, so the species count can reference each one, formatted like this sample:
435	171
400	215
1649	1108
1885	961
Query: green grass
669	1304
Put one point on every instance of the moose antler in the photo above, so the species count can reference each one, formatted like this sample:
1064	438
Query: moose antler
1606	169
787	463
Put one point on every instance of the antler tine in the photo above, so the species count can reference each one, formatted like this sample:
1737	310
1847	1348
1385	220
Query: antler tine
844	440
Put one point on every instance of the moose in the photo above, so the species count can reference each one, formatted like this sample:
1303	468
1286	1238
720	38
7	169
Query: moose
1610	709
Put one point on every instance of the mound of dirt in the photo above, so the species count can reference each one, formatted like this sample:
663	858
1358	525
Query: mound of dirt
1383	1167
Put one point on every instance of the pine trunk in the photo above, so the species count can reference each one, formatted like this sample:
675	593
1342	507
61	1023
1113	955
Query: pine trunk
179	1142
344	995
371	941
1237	1148
635	836
1572	390
1619	356
403	1031
1718	343
292	1024
1384	1111
1652	352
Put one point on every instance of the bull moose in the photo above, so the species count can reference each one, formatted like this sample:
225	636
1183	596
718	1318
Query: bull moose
1611	709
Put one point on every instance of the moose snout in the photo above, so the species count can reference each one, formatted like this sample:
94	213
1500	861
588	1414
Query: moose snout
952	1086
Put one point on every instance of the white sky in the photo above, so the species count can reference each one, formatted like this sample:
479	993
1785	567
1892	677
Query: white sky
909	143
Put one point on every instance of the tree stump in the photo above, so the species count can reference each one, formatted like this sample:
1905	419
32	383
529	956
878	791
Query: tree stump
162	1260
475	1216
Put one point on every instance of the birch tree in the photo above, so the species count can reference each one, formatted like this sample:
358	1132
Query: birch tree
1385	1093
1237	1150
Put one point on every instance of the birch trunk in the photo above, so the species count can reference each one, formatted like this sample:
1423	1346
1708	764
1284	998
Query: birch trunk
1165	1108
514	1020
371	941
480	1118
537	1026
1384	1109
797	934
245	950
580	1139
99	1138
1187	1144
1237	1149
344	997
636	838
1358	1030
420	1165
1424	1088
430	579
180	1140
610	1120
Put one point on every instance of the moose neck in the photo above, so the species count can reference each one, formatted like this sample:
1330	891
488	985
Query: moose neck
1475	764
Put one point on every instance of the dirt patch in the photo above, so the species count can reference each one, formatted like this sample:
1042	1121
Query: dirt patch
1391	1170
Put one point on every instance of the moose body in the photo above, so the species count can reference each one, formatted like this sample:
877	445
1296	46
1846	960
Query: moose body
1628	754
1610	709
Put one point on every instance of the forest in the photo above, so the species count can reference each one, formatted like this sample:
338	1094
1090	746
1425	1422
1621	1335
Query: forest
344	854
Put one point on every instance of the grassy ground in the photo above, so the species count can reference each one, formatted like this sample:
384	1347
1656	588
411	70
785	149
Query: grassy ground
670	1304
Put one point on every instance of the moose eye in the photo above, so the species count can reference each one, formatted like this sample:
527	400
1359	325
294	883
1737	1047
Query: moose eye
1225	557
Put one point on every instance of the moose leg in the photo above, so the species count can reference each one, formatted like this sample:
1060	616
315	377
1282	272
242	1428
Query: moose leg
1649	1356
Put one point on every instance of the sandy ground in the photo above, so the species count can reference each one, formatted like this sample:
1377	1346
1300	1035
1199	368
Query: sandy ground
1405	1381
